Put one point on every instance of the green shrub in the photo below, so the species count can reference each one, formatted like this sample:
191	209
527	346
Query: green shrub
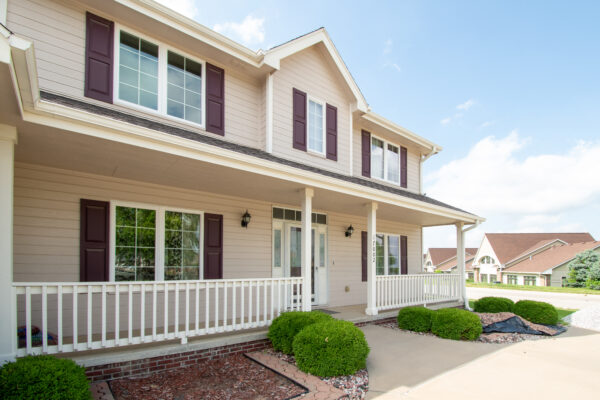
43	377
537	312
452	323
285	327
417	319
494	305
331	349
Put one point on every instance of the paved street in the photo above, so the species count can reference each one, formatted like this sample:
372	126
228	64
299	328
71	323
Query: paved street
562	300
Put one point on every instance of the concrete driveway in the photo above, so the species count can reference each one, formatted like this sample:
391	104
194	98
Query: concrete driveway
410	366
562	300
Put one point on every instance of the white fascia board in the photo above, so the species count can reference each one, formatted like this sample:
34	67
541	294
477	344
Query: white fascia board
392	126
25	68
274	56
192	28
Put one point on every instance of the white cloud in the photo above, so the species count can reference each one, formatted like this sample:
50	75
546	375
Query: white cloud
184	7
389	44
466	105
486	124
250	31
543	192
446	121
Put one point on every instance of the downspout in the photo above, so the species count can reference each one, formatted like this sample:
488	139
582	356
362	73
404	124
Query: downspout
465	230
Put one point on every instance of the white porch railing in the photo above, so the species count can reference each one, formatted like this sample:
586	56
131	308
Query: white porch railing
395	291
96	315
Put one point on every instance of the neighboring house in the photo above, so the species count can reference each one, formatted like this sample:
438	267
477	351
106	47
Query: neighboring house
548	267
499	250
438	256
159	182
451	265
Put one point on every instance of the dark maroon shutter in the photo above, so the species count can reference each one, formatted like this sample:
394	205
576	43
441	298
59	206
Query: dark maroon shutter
215	99
403	257
299	120
331	137
99	58
366	154
403	165
213	246
93	241
363	257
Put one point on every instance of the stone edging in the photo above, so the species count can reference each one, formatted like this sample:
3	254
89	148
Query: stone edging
317	389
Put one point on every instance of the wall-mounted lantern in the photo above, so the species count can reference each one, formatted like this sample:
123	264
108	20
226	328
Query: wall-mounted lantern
246	219
349	231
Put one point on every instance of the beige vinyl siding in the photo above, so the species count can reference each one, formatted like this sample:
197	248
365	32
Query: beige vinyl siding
309	72
58	33
413	162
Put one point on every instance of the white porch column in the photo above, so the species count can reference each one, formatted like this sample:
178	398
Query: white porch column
8	312
371	259
460	261
308	194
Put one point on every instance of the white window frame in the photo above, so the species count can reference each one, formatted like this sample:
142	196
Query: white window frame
163	50
324	125
386	254
159	237
385	160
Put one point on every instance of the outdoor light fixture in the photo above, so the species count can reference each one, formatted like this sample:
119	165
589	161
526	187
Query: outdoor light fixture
246	219
349	231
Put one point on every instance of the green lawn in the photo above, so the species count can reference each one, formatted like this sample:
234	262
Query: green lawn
535	288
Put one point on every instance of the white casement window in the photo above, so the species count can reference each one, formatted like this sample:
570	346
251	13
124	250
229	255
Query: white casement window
385	160
486	260
529	280
316	126
511	279
155	243
153	77
387	254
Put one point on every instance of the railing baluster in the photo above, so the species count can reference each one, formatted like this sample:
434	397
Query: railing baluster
249	303
166	310
233	304
225	324
264	302
187	309
130	313
117	312
103	315
28	318
154	295
44	319
216	306
197	309
143	312
59	302
243	306
176	309
257	303
207	311
272	300
89	316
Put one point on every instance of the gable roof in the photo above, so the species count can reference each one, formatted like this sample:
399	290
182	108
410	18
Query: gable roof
442	254
273	57
509	245
539	246
451	264
551	258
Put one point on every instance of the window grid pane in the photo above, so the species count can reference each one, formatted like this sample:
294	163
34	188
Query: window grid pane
182	246
138	71
393	164
184	88
393	255
315	126
377	158
379	255
134	244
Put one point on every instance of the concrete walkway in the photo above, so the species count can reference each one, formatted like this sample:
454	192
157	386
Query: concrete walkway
414	367
562	300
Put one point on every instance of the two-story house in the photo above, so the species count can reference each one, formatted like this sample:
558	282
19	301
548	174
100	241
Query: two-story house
161	182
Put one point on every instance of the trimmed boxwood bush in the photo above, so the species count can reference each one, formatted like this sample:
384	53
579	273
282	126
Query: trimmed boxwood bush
417	319
452	323
331	349
285	327
43	377
537	312
493	305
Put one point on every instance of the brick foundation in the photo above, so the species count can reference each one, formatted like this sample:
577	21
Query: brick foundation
152	365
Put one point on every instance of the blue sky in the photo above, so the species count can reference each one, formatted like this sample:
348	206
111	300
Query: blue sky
510	89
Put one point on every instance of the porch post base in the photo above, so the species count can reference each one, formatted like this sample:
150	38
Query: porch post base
371	311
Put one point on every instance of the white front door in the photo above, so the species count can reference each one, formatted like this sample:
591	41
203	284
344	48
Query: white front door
289	234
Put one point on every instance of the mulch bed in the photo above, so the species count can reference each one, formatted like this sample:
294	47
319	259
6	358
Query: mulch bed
355	386
231	377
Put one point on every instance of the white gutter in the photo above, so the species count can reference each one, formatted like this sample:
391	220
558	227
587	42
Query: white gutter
434	150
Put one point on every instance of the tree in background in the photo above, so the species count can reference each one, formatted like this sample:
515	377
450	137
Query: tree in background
584	270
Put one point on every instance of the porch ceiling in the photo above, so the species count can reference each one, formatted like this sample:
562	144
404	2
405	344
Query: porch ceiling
64	149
